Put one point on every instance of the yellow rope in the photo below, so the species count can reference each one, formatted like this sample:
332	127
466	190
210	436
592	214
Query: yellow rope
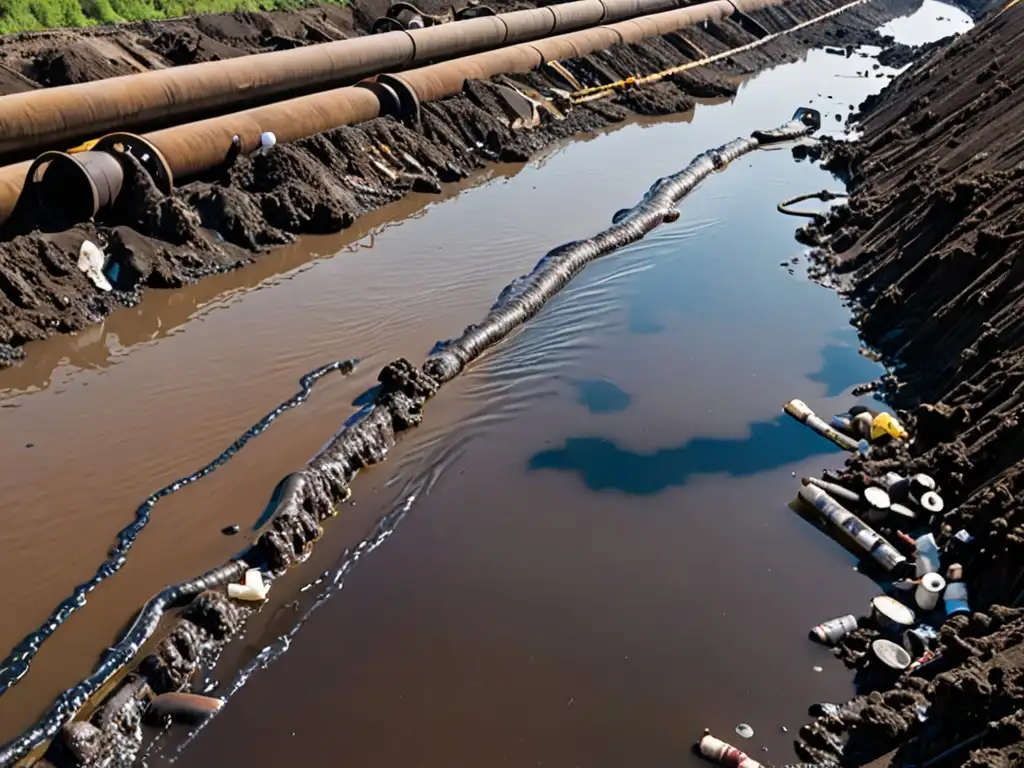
599	91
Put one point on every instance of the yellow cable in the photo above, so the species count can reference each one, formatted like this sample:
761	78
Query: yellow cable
589	94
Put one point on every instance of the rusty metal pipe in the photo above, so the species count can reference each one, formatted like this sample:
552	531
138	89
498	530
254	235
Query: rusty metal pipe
57	118
194	148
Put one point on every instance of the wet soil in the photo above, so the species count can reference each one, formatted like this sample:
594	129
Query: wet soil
930	248
321	185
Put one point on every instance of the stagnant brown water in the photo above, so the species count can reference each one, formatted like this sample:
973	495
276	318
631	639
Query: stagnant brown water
599	560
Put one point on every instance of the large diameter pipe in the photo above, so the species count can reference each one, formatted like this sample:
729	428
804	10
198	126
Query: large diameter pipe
198	147
59	117
439	80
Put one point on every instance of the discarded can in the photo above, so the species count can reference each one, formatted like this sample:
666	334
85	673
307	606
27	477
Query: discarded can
927	555
866	538
833	489
919	640
956	599
891	655
878	503
898	487
798	410
921	483
929	591
929	501
725	754
834	630
891	616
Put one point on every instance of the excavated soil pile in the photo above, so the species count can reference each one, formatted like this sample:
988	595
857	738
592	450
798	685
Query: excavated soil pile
931	247
319	185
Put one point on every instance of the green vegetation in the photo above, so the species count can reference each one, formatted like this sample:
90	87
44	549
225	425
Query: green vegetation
28	15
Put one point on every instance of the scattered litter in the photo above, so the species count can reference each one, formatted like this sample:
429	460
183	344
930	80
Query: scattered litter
929	591
871	542
798	410
922	713
955	598
817	668
189	708
964	536
230	530
890	654
744	731
254	588
784	729
725	754
834	630
891	615
955	572
91	262
919	640
927	555
267	139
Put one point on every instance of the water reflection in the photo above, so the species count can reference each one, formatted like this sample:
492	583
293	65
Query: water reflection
600	396
842	368
603	465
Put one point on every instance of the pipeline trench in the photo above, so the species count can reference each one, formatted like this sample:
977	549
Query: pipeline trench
232	497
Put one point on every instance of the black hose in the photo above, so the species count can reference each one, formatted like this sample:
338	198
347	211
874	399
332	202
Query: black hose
825	196
68	703
17	663
311	495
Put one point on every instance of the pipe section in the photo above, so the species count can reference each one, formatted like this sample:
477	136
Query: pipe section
56	117
195	148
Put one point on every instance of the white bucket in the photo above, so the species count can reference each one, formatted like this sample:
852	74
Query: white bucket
929	591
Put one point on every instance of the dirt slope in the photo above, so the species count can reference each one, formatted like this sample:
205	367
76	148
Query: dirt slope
930	246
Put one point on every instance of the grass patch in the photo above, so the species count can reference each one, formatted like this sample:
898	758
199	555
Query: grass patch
32	15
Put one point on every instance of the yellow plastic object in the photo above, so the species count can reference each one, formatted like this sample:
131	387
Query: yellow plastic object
886	424
84	147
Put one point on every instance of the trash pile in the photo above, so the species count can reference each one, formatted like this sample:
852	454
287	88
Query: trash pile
887	519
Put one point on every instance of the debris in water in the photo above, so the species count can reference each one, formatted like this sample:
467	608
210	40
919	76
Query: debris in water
725	754
185	707
254	588
744	731
230	530
817	669
91	262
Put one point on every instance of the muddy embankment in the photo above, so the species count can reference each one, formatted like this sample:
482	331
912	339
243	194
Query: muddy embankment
930	247
320	185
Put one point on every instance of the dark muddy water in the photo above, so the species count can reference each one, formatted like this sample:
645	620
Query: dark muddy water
597	560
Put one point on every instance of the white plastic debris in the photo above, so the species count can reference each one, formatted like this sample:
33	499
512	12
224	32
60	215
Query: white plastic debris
91	261
254	588
725	754
744	731
267	139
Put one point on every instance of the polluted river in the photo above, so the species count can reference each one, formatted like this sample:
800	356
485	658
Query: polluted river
584	556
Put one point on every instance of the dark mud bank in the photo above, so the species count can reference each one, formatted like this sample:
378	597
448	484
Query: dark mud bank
930	249
320	185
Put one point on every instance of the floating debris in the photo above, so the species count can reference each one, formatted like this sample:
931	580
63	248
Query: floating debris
254	589
189	708
834	630
744	731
